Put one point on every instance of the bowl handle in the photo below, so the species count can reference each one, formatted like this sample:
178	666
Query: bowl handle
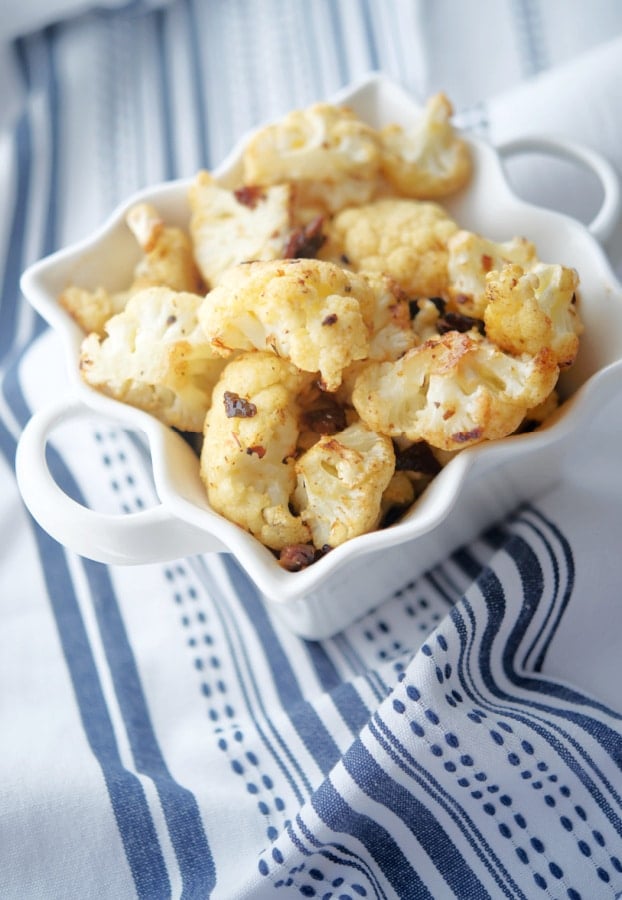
151	535
608	216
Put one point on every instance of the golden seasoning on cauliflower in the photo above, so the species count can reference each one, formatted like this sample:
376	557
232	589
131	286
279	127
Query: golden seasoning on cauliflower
471	257
168	261
428	160
155	356
331	156
229	227
526	311
453	391
247	460
308	311
341	480
406	239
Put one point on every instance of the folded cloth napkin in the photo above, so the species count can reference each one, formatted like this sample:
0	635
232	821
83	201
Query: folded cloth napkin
163	735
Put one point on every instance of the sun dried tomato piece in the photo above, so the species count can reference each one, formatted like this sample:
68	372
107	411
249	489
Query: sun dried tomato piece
305	242
238	407
414	305
295	557
326	420
249	195
453	321
463	437
417	458
256	449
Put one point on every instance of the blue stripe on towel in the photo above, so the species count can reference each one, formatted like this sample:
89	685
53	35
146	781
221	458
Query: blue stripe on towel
164	94
314	734
378	784
341	818
178	803
127	796
343	694
248	684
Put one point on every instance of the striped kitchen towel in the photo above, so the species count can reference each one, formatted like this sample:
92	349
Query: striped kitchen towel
162	734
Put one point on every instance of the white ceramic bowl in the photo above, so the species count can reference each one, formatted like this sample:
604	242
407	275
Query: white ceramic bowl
478	487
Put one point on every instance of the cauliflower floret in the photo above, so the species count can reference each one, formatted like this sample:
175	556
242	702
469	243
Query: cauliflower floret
406	239
155	356
425	320
388	319
537	415
456	390
169	255
247	460
528	311
92	309
309	311
341	480
168	261
471	257
397	496
428	160
331	156
230	227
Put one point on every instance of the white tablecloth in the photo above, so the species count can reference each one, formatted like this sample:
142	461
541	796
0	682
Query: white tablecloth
161	734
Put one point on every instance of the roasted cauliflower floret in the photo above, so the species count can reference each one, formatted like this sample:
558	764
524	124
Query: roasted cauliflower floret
399	494
229	227
92	309
341	480
471	257
168	261
537	415
388	319
428	160
247	459
528	311
169	255
426	318
406	239
456	390
308	311
331	156
155	356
